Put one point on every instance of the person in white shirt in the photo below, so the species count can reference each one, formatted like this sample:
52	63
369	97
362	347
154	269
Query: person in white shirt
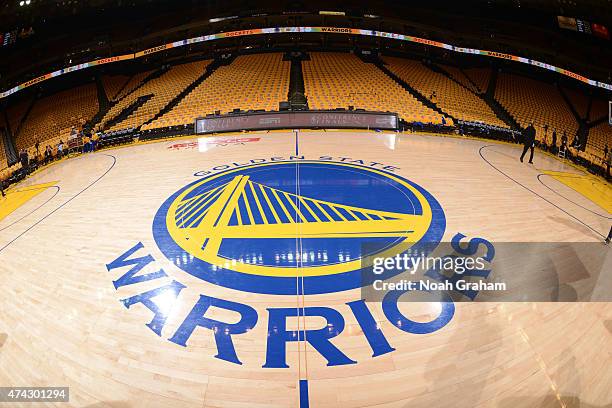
60	149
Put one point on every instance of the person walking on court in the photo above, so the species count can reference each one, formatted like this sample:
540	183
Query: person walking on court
529	142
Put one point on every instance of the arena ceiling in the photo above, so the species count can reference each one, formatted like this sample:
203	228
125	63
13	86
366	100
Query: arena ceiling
12	13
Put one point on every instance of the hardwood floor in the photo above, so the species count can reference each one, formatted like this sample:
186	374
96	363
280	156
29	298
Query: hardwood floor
218	329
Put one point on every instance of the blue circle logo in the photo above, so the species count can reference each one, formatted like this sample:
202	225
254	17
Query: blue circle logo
294	227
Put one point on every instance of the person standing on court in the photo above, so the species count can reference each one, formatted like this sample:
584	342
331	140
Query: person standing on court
529	142
553	148
24	159
609	237
564	141
60	149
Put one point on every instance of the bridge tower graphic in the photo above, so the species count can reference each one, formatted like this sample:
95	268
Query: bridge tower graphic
242	208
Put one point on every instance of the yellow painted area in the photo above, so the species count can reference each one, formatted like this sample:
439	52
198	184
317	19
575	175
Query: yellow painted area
268	131
16	198
589	186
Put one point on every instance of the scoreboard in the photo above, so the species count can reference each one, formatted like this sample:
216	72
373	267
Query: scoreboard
295	120
583	26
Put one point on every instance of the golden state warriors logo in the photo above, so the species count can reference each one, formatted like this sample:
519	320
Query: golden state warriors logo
259	227
285	227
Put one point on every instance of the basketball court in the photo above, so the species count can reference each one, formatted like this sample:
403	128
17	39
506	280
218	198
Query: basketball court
220	271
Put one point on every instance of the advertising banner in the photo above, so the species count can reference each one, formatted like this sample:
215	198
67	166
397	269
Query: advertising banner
290	120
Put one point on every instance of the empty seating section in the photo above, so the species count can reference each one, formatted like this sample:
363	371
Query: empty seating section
2	153
579	100
124	98
250	82
134	81
336	80
459	76
5	171
528	101
480	76
113	84
56	113
163	88
451	97
599	109
599	136
16	113
331	80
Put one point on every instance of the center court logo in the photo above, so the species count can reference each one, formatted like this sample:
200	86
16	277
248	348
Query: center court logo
283	227
257	228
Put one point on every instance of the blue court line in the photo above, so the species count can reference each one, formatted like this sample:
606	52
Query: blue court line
480	152
65	203
562	196
57	189
304	402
